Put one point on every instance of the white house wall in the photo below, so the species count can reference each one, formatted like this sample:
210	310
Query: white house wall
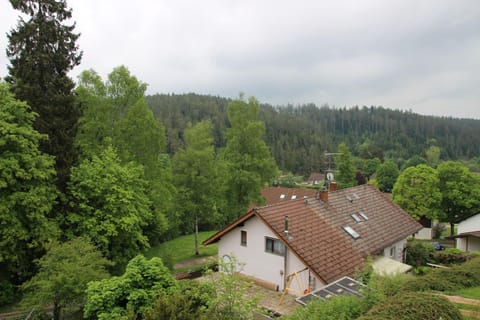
257	263
468	244
397	252
469	225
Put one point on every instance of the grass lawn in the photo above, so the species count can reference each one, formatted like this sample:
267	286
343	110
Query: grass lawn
183	248
472	293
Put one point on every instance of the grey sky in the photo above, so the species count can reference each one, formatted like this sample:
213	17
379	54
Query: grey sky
401	54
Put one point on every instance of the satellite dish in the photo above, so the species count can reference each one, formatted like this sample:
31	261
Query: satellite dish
330	176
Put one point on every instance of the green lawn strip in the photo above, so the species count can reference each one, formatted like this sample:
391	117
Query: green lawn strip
467	307
183	248
472	293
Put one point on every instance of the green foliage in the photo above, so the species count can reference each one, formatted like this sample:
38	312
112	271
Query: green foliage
419	253
432	154
346	171
64	272
249	162
460	191
451	256
371	166
27	190
387	174
299	135
456	277
409	305
229	300
417	192
130	294
414	161
190	301
115	113
110	206
42	50
197	178
338	308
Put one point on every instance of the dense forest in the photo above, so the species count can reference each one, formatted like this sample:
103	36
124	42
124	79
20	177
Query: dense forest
299	135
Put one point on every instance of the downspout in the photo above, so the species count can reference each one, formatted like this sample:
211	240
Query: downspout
285	274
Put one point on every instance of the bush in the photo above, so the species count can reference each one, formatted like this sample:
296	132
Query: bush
338	308
418	253
190	301
414	305
7	293
457	277
451	256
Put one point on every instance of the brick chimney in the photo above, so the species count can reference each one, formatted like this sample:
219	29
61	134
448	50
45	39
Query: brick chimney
333	186
324	195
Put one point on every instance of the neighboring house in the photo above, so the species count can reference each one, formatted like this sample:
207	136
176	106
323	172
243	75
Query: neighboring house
315	178
468	234
274	195
323	238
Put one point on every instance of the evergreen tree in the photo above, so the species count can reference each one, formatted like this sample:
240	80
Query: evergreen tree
346	170
27	189
42	50
248	158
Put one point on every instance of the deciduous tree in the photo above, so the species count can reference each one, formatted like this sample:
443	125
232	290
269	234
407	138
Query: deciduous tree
27	189
110	206
129	295
248	158
417	192
64	272
460	192
42	50
387	174
197	180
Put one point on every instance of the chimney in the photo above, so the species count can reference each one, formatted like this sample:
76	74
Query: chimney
324	195
333	186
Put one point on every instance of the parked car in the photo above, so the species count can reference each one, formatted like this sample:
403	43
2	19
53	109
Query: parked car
438	246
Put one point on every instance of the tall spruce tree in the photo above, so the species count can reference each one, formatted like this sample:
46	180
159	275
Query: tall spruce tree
42	50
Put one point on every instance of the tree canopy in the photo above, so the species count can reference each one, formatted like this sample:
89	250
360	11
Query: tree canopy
110	206
460	191
386	175
249	162
27	189
42	50
417	192
64	272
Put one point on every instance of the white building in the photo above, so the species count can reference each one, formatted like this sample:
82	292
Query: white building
307	242
468	234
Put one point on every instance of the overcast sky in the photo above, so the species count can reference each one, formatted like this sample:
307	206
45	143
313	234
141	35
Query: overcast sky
419	55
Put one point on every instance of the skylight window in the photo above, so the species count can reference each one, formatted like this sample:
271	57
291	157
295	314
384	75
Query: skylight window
364	216
282	196
356	218
294	197
351	232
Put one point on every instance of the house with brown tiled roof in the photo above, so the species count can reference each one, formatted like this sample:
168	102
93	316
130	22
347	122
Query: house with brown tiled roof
317	239
315	178
274	195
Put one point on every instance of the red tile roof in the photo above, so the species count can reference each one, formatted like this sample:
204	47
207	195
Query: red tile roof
316	229
274	195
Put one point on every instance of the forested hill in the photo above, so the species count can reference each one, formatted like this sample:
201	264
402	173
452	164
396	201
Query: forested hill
299	136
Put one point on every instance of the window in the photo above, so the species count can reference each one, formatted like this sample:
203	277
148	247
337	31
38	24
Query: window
243	238
351	232
356	218
364	216
294	197
274	246
282	196
392	251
